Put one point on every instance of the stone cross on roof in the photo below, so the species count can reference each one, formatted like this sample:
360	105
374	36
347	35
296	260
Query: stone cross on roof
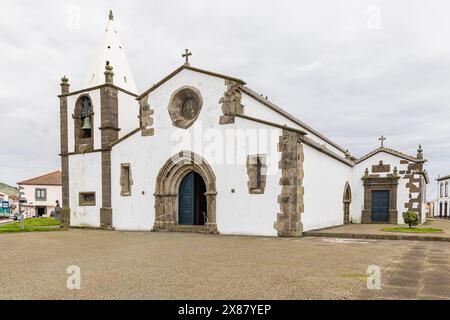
186	55
382	139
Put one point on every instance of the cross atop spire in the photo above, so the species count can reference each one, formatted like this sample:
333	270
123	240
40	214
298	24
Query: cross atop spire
111	16
382	139
186	56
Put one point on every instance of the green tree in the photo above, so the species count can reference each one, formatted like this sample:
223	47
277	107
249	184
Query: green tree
411	218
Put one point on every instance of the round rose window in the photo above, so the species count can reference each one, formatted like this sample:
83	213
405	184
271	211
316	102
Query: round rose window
189	108
185	106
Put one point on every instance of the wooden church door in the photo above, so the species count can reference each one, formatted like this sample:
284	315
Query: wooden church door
380	206
192	204
186	198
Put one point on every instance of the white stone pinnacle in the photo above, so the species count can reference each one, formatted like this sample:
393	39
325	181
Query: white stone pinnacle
111	50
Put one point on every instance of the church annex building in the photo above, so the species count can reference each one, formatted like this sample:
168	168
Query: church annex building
201	152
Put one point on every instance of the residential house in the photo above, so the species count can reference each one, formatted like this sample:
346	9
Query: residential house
40	194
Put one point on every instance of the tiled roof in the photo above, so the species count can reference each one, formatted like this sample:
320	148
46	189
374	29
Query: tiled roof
393	152
49	179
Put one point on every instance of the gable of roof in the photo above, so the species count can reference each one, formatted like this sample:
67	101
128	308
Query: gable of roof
392	152
49	179
187	67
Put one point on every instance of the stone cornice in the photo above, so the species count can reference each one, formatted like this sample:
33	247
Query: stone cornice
95	88
272	124
80	153
125	137
443	178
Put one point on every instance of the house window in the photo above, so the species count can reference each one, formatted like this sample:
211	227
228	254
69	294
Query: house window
125	180
256	171
40	194
446	189
441	188
87	199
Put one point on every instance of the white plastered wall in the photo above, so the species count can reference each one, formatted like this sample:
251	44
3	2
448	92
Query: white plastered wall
324	183
237	211
85	176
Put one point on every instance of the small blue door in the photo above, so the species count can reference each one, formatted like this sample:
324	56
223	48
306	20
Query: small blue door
380	206
186	200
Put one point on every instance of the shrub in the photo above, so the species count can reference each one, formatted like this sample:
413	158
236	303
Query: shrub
411	218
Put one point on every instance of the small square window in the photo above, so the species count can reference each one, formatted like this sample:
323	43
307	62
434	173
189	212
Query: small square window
40	194
87	199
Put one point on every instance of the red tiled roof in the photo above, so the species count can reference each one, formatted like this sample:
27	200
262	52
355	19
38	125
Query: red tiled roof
49	179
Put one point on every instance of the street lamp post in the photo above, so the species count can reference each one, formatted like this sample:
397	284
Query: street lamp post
21	217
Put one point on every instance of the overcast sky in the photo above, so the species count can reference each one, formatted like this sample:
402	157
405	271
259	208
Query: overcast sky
354	70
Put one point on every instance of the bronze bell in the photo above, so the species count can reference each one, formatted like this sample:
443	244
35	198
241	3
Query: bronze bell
87	124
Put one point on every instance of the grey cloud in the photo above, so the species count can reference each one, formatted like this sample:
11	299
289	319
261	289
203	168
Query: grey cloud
318	60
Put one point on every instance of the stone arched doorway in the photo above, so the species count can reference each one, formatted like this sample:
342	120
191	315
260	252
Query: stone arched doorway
347	202
167	195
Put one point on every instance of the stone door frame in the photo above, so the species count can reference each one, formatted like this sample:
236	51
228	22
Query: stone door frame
167	187
380	184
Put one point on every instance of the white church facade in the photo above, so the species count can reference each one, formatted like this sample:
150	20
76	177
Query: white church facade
201	152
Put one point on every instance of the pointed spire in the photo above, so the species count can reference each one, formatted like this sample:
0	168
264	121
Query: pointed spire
111	52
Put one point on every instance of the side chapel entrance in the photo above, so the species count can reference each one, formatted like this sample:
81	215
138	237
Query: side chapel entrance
380	200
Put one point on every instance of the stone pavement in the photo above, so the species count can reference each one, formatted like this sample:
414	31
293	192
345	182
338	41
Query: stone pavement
133	265
373	231
420	273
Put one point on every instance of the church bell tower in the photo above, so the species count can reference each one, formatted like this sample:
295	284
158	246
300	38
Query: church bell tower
89	123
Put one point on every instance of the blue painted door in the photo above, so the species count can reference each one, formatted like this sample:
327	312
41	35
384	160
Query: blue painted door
380	206
186	200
